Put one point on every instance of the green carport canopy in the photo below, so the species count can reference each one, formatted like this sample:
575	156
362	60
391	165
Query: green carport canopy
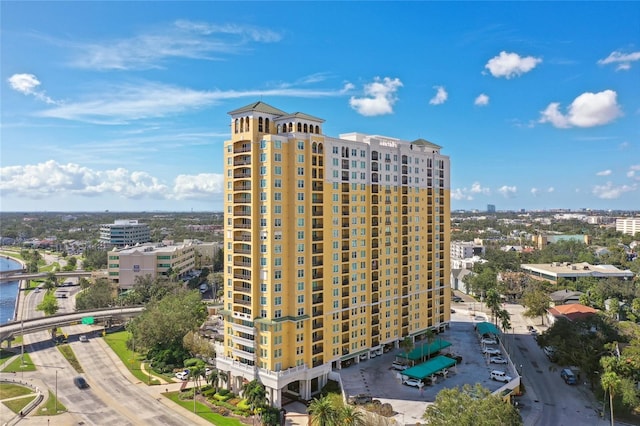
487	328
430	367
427	349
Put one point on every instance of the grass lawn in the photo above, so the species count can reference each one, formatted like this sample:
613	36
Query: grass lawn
16	365
132	360
203	411
49	409
15	254
9	390
16	405
67	352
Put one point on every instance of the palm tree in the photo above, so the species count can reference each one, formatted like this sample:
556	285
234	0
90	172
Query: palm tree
213	380
505	319
406	345
430	336
351	416
223	376
610	383
493	303
323	412
255	394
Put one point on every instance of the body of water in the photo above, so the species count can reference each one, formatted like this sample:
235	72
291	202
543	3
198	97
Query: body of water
8	291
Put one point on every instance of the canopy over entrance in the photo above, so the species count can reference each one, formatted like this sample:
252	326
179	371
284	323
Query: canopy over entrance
430	367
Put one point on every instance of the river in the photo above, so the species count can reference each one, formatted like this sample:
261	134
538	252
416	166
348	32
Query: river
8	291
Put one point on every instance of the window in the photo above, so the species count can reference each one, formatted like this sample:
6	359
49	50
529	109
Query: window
278	170
300	171
277	157
277	300
300	158
300	143
300	196
300	298
300	182
277	183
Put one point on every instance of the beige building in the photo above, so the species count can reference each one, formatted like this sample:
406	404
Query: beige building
154	259
335	248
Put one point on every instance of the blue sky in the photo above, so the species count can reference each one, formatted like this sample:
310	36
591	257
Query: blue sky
122	106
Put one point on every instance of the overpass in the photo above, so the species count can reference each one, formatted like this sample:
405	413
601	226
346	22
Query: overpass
7	331
38	275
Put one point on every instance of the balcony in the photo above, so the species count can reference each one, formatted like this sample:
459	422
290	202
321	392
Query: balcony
317	199
242	223
317	323
317	236
317	211
317	311
243	302
318	349
242	173
317	274
317	299
242	186
244	264
317	336
243	160
243	288
317	286
317	186
242	147
345	315
317	224
242	275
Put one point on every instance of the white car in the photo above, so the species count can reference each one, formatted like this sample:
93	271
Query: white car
413	382
398	366
500	376
491	351
488	341
182	375
83	338
498	360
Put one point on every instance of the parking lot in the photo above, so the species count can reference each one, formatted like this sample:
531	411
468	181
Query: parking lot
377	378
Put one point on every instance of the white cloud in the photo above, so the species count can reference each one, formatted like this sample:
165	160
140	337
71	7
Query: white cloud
476	188
604	173
535	191
631	173
587	110
440	96
27	85
197	186
123	104
380	96
551	189
461	194
611	192
622	59
183	39
481	100
52	179
508	191
511	65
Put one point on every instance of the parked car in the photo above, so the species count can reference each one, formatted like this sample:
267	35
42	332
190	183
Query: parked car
80	382
413	382
550	352
182	375
488	341
360	399
533	331
498	360
500	376
397	365
568	376
491	351
456	299
83	338
458	358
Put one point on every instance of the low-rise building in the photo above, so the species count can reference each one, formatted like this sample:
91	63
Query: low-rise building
154	259
572	271
124	233
628	225
571	312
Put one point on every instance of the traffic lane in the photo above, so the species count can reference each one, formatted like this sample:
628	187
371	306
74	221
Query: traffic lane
558	402
132	400
56	372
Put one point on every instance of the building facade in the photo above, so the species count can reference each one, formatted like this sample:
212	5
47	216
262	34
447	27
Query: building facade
157	259
123	233
335	248
629	225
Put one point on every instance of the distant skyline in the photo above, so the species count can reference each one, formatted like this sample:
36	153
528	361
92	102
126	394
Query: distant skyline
122	106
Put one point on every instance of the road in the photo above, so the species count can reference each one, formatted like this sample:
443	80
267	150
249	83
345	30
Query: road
115	396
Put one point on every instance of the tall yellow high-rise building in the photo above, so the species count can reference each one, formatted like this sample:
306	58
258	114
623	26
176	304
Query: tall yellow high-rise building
335	248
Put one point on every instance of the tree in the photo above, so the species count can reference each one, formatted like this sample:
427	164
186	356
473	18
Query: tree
493	303
406	345
165	322
610	383
470	406
324	412
537	302
49	304
51	280
351	416
255	394
198	345
505	319
197	371
430	335
100	295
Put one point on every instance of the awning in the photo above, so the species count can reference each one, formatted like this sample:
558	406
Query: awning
487	328
430	367
421	351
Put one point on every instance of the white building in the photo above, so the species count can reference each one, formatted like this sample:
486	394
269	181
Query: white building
628	225
123	233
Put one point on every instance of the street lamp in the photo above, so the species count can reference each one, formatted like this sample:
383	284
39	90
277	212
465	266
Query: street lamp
56	392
